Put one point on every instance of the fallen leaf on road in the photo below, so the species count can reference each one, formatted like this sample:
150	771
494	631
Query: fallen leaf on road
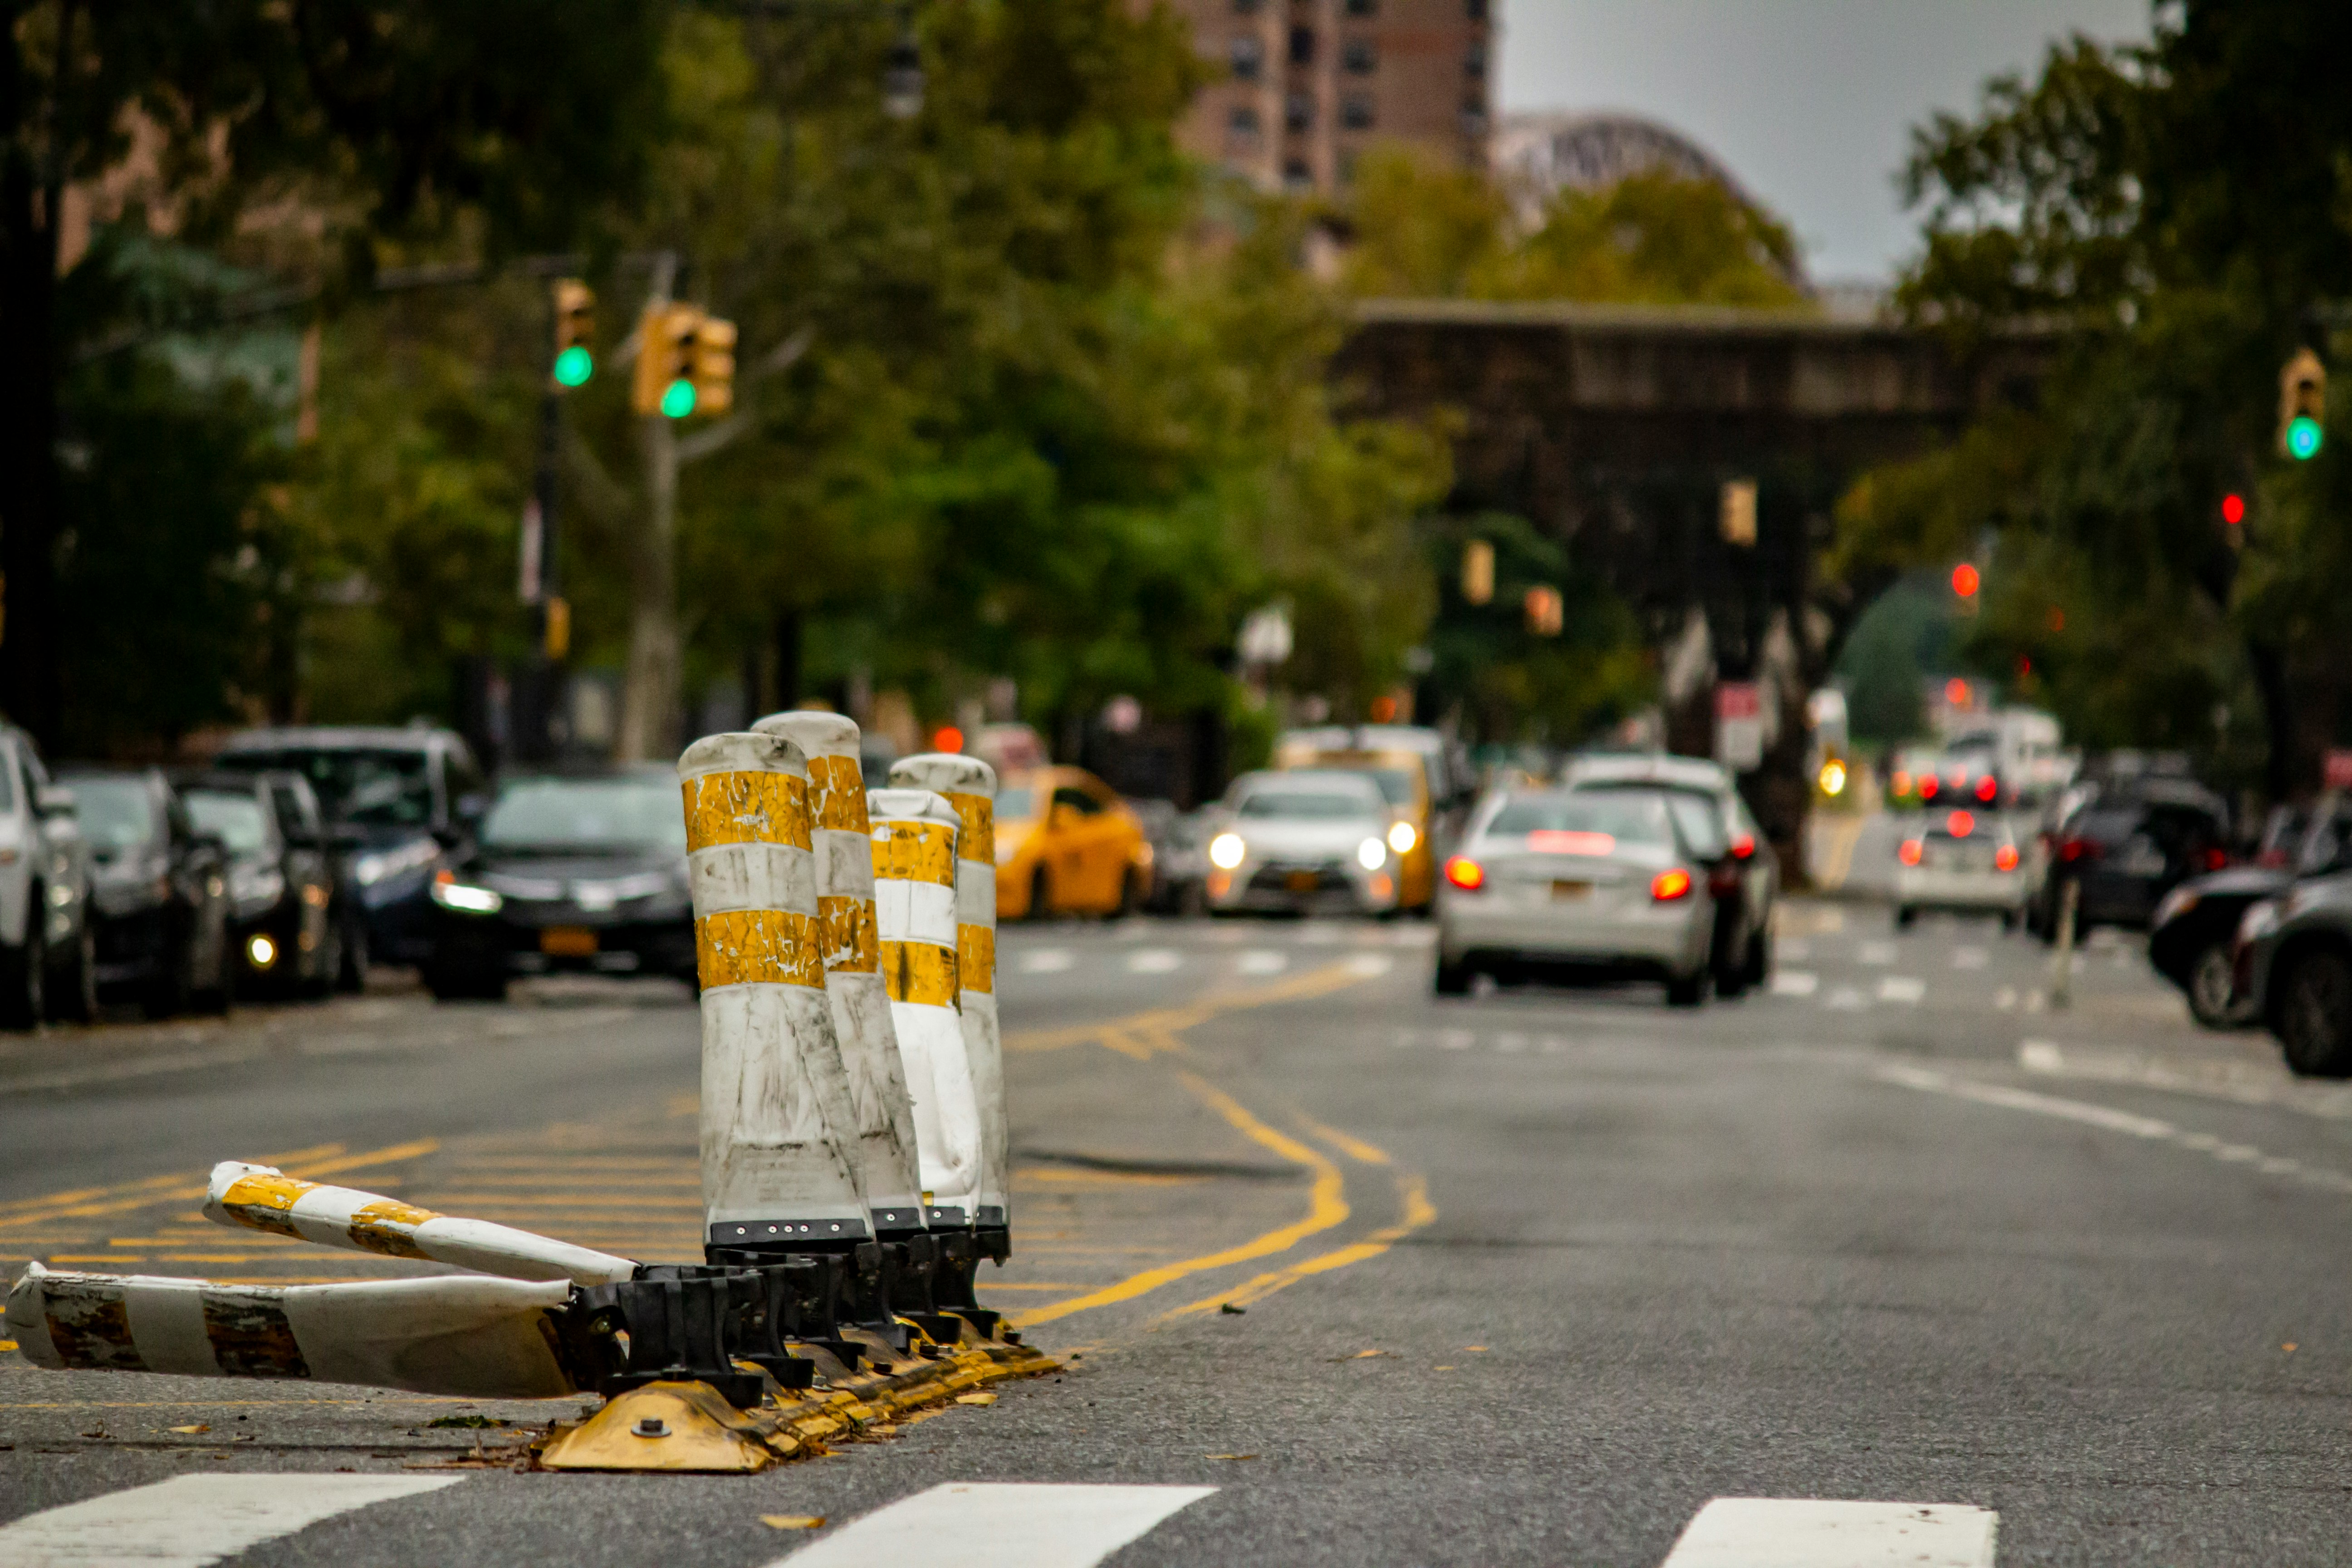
792	1520
1232	1456
975	1399
1476	1350
198	1427
2288	1347
8	1344
1360	1355
1441	1369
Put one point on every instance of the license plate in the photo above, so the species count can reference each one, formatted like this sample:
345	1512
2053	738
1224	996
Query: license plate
1562	893
567	941
1301	881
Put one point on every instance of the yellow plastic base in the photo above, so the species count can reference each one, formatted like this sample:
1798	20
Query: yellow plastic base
668	1426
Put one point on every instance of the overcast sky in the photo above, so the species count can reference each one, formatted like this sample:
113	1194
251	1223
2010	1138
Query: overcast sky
1809	102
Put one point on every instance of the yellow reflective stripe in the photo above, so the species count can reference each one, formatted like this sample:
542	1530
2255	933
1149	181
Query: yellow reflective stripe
757	947
850	936
746	808
261	1202
920	972
976	957
838	794
371	1228
979	814
915	852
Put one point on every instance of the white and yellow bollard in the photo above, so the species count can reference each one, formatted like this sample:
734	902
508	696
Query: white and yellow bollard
915	834
969	784
779	1167
843	837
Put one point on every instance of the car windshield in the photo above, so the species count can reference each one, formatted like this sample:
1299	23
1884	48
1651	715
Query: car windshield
587	814
239	819
372	786
115	815
1307	805
1015	803
1624	816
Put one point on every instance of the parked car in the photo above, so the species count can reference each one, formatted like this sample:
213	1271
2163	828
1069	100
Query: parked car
2124	847
284	926
2192	937
2294	973
48	953
1425	781
1180	858
1303	841
159	894
1577	883
1066	844
1718	828
1960	861
398	801
569	871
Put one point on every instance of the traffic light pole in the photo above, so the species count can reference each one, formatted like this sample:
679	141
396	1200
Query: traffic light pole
649	693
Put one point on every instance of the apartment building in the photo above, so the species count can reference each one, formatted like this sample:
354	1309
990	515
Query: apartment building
1304	86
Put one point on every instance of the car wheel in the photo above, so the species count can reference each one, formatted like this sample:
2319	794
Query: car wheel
219	990
1903	917
2212	991
2315	1015
73	994
1131	892
24	972
353	977
1758	967
327	962
1454	976
1688	991
1041	895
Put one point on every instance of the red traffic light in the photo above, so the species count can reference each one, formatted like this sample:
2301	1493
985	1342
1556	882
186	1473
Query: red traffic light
1964	581
2233	510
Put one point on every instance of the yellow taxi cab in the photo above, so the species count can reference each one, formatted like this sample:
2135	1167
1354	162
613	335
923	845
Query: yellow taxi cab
1407	762
1066	844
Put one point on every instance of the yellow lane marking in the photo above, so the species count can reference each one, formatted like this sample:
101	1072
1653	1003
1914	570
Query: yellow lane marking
1412	1194
1355	1147
1170	1021
161	1189
1327	1206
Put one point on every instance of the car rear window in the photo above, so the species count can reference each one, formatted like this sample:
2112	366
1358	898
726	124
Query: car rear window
239	819
1626	817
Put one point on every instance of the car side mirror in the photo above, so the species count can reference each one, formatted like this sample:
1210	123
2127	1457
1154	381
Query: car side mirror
53	800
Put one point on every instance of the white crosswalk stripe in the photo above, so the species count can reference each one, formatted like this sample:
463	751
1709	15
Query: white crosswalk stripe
1154	961
1902	988
1046	960
1794	982
1001	1525
191	1520
1794	1532
1262	963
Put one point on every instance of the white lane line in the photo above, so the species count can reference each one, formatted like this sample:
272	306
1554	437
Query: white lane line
1793	1532
1511	1041
1845	999
1318	934
1794	982
1263	961
1046	961
1796	947
191	1520
1902	988
2237	1082
1456	1039
2005	999
1371	966
1968	958
1001	1525
1876	953
1154	961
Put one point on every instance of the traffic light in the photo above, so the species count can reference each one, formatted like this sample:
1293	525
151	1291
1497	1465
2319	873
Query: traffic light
2303	405
663	383
1739	512
1544	611
1966	580
576	329
1477	571
712	365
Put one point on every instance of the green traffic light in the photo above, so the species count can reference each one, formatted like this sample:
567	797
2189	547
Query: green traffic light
678	398
2303	437
573	366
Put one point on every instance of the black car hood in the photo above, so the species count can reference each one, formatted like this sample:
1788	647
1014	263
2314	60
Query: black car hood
2240	881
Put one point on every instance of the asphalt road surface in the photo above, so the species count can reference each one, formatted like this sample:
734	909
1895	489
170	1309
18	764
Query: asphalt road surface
1929	1270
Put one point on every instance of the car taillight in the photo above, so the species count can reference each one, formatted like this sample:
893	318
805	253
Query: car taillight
1929	784
1986	788
2005	857
1742	846
1668	885
1465	873
1723	880
2216	858
2073	850
1959	825
1910	852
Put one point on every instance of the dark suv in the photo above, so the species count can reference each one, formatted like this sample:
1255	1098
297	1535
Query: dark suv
2126	847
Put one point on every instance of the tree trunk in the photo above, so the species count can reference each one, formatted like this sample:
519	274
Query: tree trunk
649	696
32	690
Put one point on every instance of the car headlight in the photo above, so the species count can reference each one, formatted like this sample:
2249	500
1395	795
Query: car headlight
1371	854
1227	851
1401	838
465	898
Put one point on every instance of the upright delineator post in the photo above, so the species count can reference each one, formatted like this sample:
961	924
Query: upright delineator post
843	838
915	834
779	1167
969	786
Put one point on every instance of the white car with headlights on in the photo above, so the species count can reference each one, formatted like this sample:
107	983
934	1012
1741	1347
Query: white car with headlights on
1588	884
1306	840
1961	860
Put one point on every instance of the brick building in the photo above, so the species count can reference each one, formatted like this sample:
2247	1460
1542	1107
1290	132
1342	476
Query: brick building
1305	85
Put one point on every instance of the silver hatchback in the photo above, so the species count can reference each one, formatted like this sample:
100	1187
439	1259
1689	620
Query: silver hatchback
1577	883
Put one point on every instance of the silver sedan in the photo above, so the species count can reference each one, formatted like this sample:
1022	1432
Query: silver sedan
1302	840
1591	882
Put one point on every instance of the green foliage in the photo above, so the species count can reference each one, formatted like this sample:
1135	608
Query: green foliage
1651	238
